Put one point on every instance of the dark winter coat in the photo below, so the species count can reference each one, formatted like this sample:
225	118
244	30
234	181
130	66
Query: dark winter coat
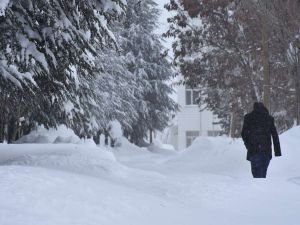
257	131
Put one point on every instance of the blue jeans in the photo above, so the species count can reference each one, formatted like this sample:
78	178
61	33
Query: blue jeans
259	165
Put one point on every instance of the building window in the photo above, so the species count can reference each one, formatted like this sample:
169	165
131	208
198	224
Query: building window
191	136
191	96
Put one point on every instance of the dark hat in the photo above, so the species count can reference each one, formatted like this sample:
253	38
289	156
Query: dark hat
260	107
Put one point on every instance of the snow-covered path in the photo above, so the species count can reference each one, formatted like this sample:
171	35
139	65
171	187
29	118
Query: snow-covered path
208	184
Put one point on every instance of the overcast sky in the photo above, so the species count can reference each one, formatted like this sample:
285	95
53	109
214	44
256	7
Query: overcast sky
163	27
163	24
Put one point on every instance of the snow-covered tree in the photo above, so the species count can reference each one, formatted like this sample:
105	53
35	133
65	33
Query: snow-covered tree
47	56
144	53
60	63
117	90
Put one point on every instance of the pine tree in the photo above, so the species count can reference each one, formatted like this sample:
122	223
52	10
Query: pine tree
47	59
60	63
143	50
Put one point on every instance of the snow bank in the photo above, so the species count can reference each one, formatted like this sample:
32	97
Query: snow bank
158	144
288	164
68	139
214	155
129	149
217	155
60	135
209	182
227	156
92	161
162	149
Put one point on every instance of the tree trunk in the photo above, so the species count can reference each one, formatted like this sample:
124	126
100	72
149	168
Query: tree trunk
151	136
297	86
232	125
106	134
2	125
266	65
16	130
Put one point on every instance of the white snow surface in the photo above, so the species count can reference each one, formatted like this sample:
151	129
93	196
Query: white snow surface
115	129
59	135
209	183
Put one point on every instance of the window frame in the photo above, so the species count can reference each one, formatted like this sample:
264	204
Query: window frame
190	138
193	92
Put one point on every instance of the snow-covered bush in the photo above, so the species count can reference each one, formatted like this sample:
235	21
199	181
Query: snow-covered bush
42	135
115	132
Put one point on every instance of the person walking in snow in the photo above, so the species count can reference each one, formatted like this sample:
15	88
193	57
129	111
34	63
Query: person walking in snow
258	128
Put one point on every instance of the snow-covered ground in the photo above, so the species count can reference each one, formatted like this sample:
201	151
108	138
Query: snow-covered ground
209	183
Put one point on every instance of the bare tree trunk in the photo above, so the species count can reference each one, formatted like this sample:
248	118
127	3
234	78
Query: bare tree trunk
151	136
5	139
16	123
266	65
1	120
1	127
297	84
4	116
106	134
232	125
16	130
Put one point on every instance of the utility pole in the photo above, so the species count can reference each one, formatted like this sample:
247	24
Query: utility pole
265	59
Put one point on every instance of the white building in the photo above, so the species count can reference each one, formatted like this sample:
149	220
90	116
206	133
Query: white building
190	121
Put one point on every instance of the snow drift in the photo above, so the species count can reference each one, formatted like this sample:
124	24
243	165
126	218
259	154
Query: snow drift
59	135
209	183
